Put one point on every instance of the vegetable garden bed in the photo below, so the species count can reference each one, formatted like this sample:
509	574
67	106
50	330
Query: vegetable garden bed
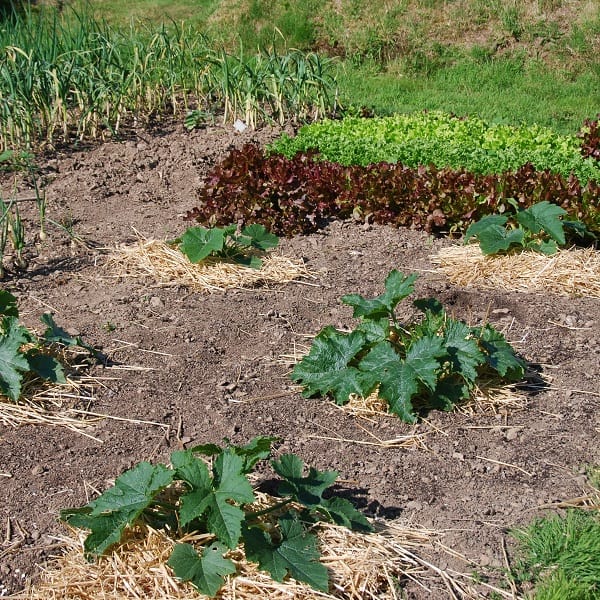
213	369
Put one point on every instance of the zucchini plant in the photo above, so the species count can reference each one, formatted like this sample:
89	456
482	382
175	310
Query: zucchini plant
23	353
244	247
540	227
217	498
434	362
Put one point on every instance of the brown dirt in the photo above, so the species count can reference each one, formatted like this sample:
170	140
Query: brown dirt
214	367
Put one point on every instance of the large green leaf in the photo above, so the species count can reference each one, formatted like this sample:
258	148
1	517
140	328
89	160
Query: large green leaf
306	489
484	223
259	448
463	350
195	473
397	287
374	330
198	242
326	368
296	554
119	506
207	571
500	354
257	237
544	216
13	362
229	483
497	239
400	380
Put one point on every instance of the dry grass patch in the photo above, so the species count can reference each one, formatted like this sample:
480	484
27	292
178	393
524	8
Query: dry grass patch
573	272
168	266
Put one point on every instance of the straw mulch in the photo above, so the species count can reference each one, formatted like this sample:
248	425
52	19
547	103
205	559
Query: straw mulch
573	272
55	404
361	566
168	266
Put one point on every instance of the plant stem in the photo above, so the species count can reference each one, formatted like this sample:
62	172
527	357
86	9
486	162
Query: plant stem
253	516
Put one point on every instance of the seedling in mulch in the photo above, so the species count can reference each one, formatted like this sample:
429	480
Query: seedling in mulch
23	354
218	499
227	243
540	228
434	362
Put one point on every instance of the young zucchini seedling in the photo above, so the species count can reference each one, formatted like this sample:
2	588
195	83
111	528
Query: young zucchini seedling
218	499
539	227
244	248
23	353
434	362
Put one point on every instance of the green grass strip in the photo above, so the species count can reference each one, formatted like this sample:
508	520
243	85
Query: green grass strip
561	556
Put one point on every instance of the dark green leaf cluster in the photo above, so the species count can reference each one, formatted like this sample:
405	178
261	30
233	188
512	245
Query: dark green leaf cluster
23	353
217	498
226	243
539	227
299	195
432	363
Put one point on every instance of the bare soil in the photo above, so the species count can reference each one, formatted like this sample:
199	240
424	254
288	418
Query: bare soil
213	367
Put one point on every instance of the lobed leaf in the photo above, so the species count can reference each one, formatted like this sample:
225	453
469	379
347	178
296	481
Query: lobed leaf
543	217
212	500
342	512
500	355
326	367
397	287
401	380
13	363
259	448
306	489
206	571
197	243
463	350
475	229
258	237
297	553
496	239
120	506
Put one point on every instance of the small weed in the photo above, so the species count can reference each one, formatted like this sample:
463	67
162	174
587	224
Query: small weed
109	327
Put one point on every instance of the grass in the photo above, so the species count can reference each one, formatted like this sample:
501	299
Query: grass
560	555
515	92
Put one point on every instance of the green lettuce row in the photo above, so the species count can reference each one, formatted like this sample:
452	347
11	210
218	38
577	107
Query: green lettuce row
444	141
